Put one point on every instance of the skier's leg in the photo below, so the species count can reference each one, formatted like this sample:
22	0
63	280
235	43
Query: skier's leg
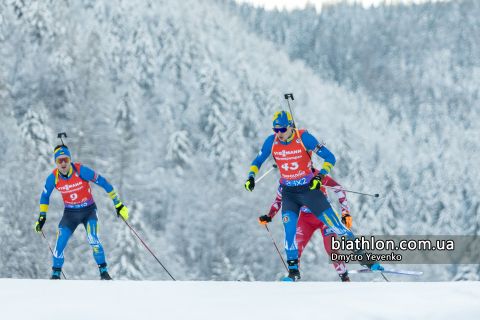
316	201
91	227
63	234
290	219
305	230
66	228
92	235
327	234
290	209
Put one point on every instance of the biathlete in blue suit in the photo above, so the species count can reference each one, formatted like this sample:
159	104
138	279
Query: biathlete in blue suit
292	150
73	183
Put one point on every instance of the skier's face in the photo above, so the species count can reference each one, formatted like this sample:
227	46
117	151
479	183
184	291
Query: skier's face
283	136
63	164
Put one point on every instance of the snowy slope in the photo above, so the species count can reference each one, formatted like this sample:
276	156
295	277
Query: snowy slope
42	299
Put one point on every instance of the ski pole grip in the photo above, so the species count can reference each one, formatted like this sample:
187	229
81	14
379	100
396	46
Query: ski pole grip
288	95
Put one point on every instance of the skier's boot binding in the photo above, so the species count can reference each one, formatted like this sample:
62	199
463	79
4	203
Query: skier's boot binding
293	272
344	277
56	273
373	266
103	272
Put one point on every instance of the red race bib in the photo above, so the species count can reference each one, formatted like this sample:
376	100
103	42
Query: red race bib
293	160
76	192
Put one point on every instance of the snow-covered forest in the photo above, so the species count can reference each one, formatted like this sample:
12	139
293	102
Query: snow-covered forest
171	100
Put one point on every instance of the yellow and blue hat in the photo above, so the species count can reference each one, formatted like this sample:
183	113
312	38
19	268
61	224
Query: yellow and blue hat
62	151
282	119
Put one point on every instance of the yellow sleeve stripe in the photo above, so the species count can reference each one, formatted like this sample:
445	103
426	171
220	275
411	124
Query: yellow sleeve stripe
327	166
44	208
254	169
112	194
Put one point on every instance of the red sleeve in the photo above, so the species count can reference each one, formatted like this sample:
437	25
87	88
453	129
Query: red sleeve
277	203
342	198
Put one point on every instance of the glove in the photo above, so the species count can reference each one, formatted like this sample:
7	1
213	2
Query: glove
316	182
122	210
40	222
347	220
250	184
263	220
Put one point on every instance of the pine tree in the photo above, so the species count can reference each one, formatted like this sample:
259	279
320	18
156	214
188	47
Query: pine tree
215	112
126	130
23	254
343	153
179	150
144	54
3	14
467	273
37	16
221	268
390	207
37	136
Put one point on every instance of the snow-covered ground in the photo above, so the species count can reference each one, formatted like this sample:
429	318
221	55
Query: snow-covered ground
45	299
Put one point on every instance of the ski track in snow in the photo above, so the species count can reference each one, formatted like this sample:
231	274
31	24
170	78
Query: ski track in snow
46	299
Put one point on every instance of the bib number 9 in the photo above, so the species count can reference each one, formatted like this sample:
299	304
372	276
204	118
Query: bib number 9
291	166
73	196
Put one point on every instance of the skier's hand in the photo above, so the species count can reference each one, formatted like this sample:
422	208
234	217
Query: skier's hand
263	220
347	220
250	184
316	182
121	210
40	222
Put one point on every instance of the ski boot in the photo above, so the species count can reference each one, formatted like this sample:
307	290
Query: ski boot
373	266
344	277
103	272
293	272
56	273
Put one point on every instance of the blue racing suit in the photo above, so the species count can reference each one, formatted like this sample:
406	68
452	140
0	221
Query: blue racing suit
82	213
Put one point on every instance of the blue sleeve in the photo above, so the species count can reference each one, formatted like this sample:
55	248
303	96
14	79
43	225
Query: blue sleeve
310	143
262	156
47	191
89	175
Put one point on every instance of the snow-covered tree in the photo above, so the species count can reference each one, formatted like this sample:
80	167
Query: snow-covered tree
125	124
179	149
467	273
37	136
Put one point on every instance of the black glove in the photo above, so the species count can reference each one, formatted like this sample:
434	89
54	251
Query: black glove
40	222
316	182
263	220
250	184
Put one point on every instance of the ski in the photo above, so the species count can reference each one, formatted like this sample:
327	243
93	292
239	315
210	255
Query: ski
387	270
287	279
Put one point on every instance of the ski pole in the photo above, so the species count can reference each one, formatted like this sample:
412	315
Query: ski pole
147	248
290	95
51	250
273	167
376	195
277	248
